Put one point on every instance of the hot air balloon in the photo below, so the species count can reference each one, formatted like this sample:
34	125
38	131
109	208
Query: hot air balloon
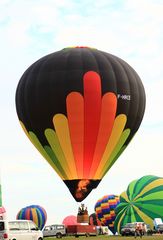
93	220
35	213
80	107
3	214
70	220
141	202
105	210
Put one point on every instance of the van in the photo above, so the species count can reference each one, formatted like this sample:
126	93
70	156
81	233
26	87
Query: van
19	230
57	230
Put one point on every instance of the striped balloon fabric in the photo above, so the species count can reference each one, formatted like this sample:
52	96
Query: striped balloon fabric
35	213
142	202
105	211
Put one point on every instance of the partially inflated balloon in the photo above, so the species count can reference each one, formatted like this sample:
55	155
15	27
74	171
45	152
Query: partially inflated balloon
93	220
70	220
80	107
35	213
105	210
141	202
3	215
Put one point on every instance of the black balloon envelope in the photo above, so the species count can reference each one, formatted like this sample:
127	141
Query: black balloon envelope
80	107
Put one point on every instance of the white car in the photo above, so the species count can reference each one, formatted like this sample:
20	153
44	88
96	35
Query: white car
19	230
57	230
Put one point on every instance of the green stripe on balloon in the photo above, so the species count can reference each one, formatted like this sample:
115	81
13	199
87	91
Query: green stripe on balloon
119	148
55	161
141	183
130	190
142	201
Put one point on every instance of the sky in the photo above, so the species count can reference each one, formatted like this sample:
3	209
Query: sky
31	29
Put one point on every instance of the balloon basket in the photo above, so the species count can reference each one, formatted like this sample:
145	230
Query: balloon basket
83	218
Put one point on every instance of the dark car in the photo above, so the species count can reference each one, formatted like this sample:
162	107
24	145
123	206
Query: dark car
128	229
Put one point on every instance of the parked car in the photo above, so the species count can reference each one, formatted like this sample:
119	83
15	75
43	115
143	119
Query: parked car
149	231
128	229
19	230
159	228
57	230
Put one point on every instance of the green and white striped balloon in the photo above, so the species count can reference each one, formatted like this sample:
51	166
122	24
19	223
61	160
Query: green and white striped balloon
142	202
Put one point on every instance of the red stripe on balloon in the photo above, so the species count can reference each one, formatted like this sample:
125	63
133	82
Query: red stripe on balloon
27	214
75	112
92	111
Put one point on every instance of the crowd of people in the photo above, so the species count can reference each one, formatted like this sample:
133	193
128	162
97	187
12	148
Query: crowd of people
139	229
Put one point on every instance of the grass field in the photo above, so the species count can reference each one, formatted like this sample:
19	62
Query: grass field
153	237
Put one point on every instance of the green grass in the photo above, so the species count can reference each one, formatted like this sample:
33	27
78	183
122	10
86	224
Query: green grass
153	237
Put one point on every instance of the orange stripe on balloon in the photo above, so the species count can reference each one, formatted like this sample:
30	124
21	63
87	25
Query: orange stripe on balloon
75	113
117	130
34	215
92	111
108	111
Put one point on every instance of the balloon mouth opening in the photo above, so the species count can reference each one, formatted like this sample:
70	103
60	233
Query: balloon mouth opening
81	188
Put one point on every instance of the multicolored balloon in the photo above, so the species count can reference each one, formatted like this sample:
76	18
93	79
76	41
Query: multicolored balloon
105	210
80	107
141	202
35	213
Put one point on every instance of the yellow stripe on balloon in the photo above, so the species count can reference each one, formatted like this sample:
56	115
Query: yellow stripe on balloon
33	138
55	145
115	152
34	216
145	217
125	196
118	128
119	222
62	130
155	183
